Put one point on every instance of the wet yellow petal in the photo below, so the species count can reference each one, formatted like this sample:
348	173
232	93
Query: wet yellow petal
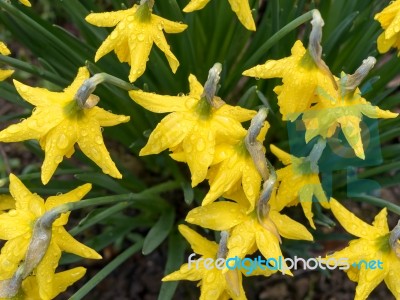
169	26
242	239
199	244
39	96
4	74
243	11
284	157
217	216
15	223
106	118
199	146
59	141
185	273
195	5
46	269
109	19
72	196
251	183
12	253
368	280
81	76
352	224
158	103
289	228
25	2
92	145
380	221
169	133
64	279
68	244
142	42
392	278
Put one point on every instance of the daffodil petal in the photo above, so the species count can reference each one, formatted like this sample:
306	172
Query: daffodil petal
106	118
169	26
81	76
351	223
15	223
109	19
158	103
161	42
212	286
185	273
38	96
368	280
243	11
168	134
306	198
92	145
380	221
4	74
196	89
199	147
242	239
195	5
45	270
199	244
59	141
63	280
288	228
140	54
251	183
12	253
392	278
217	216
284	157
68	244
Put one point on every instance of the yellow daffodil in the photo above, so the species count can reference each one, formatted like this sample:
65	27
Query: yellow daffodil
373	246
298	184
233	168
389	18
341	108
25	2
240	7
194	126
300	76
62	280
58	123
215	284
246	233
16	227
7	202
4	51
136	31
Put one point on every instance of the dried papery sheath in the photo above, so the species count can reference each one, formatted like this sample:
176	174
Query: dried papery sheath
351	82
314	45
210	87
222	246
9	288
394	239
40	241
150	3
315	155
254	147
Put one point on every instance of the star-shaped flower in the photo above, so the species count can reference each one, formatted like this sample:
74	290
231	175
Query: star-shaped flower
194	126
62	280
233	169
135	32
373	245
16	227
340	108
298	184
389	18
214	283
300	76
240	7
246	233
58	123
4	51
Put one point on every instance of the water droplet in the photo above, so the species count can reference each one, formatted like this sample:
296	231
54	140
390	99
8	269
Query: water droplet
141	37
98	140
200	146
84	132
62	142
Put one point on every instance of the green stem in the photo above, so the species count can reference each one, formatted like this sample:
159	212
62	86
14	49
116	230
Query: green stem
92	283
378	202
147	195
20	65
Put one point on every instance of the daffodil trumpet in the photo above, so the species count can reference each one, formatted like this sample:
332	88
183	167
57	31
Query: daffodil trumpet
84	97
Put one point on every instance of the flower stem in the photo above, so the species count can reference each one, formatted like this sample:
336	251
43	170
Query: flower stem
378	202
